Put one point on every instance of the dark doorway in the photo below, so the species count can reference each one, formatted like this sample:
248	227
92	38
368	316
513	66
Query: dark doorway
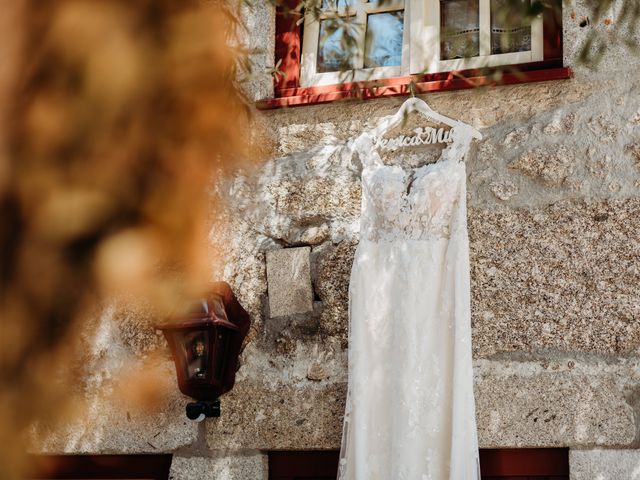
524	464
101	467
495	464
319	465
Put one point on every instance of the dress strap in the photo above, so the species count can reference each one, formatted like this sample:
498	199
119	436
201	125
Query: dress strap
457	150
364	146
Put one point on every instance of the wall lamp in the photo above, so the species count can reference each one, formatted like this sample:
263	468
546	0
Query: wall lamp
205	344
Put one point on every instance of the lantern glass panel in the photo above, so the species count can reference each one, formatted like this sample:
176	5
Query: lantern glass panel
220	357
199	308
195	351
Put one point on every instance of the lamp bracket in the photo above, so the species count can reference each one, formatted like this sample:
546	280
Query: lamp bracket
198	411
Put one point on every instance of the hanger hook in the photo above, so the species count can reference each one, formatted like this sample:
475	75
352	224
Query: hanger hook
412	88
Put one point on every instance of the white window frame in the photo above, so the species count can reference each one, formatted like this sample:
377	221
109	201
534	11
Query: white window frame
359	11
420	45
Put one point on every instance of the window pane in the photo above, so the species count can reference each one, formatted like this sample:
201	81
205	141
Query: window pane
510	27
335	4
383	44
460	27
337	45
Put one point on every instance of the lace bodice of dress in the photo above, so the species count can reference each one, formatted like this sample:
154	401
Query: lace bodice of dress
412	204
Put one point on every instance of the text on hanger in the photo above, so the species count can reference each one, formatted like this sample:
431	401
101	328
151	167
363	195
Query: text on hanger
422	136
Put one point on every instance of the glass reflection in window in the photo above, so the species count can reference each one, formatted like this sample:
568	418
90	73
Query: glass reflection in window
460	29
383	43
336	4
510	26
337	45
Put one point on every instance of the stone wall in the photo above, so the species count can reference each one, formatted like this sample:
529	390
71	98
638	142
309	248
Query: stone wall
554	223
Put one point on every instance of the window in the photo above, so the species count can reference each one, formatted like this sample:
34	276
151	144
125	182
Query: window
356	40
428	44
366	38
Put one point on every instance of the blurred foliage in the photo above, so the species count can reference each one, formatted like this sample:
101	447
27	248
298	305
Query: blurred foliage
615	23
116	118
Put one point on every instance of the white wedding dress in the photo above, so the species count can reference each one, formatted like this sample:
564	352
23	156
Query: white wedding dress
410	412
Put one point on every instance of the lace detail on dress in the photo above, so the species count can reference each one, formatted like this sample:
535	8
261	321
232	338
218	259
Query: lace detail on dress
420	206
416	204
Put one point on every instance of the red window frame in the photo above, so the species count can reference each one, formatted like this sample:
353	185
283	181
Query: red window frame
495	464
289	93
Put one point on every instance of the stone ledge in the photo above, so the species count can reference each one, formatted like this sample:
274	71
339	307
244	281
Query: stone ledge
228	466
601	464
524	405
519	404
279	417
106	424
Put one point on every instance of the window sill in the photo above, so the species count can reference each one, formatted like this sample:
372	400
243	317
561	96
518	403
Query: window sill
294	97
